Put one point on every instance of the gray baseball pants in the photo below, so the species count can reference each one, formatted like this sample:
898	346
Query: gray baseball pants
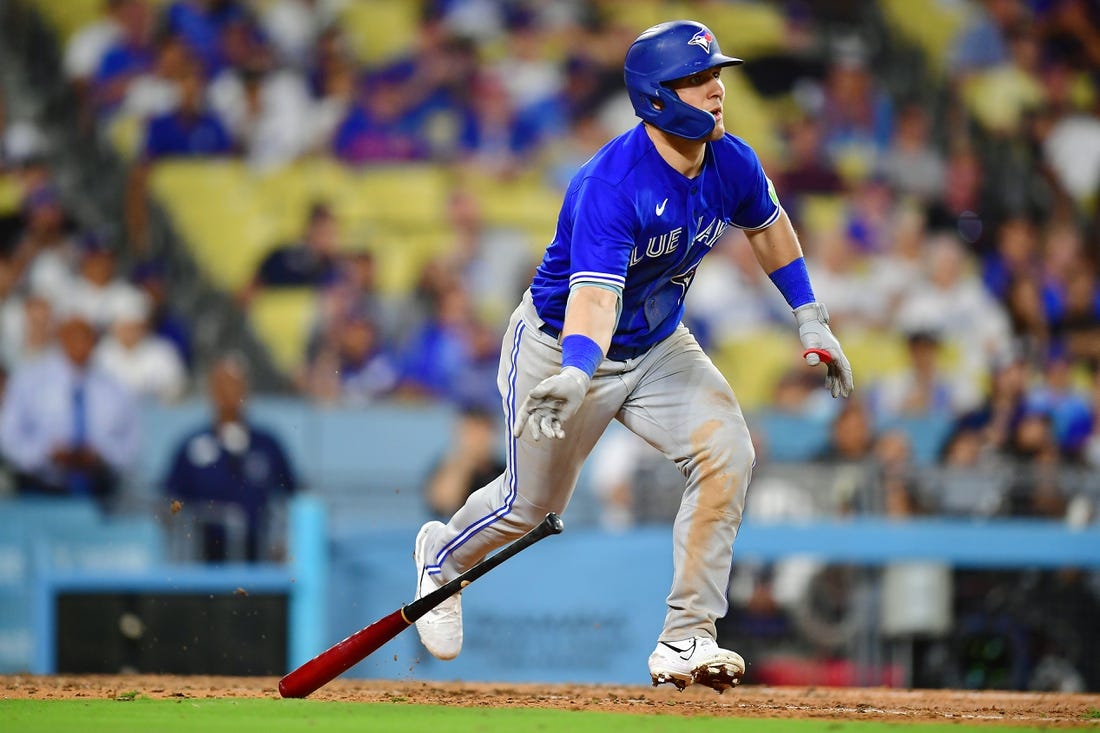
673	397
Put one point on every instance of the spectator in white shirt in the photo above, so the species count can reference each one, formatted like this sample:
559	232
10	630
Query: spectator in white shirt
96	289
267	110
86	47
26	329
951	300
148	364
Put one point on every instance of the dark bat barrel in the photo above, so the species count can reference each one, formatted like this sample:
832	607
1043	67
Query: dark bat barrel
338	659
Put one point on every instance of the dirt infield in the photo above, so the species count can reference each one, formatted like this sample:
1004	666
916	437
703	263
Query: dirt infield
1041	709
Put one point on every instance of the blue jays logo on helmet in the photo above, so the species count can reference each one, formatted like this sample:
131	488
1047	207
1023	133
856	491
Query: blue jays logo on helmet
702	39
664	53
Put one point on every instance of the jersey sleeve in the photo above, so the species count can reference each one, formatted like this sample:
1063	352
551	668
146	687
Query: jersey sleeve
758	206
603	236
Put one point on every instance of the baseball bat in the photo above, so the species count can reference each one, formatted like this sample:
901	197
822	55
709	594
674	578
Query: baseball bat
342	656
822	354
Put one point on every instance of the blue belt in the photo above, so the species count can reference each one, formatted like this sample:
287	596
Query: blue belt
615	353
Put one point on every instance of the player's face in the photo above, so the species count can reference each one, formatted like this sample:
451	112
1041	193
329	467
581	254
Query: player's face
704	91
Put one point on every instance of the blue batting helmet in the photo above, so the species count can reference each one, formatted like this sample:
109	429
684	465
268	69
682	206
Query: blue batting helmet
663	53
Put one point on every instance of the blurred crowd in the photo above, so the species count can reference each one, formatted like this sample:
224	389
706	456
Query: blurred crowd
958	211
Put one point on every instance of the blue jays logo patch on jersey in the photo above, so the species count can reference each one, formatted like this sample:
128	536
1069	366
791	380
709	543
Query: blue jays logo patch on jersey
702	39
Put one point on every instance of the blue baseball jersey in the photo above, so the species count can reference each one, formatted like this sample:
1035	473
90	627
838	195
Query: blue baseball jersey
631	223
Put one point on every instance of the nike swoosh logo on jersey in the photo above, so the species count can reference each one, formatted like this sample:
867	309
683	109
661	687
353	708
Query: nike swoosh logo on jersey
661	207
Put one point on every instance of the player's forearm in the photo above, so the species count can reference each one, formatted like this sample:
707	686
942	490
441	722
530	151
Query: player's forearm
592	312
776	245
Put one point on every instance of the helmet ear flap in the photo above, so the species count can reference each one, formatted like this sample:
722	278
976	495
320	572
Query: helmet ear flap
680	118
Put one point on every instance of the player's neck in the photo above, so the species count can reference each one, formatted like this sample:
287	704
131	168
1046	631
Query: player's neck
685	156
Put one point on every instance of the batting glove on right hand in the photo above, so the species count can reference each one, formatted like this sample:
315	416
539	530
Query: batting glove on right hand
550	403
813	330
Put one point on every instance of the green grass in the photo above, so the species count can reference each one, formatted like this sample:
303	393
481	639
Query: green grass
132	714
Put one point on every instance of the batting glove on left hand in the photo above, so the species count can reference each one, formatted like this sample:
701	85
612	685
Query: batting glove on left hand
550	403
813	330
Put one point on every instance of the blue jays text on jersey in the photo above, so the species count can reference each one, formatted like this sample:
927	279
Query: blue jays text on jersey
631	223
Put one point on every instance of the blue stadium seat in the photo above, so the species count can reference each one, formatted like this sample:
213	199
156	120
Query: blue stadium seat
790	437
926	435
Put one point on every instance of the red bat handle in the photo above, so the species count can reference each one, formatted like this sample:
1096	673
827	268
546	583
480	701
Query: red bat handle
822	354
334	661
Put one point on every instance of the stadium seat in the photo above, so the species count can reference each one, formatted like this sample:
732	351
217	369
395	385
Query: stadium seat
11	194
821	213
401	255
125	133
405	196
525	203
282	319
747	29
750	117
926	435
641	14
66	18
929	24
789	438
379	30
999	97
753	365
214	206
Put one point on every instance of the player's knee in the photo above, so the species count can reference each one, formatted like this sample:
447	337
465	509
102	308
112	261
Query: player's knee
525	515
726	448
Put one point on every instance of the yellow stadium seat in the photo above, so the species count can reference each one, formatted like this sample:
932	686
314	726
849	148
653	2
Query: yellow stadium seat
287	193
875	354
66	17
745	29
11	194
402	255
820	213
126	134
379	30
527	204
999	97
754	364
930	24
282	320
215	209
748	116
637	15
405	196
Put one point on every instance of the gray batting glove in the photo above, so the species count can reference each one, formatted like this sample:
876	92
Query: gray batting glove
550	403
821	346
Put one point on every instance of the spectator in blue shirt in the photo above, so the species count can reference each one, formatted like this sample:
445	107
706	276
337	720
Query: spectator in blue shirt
202	23
313	262
132	54
230	467
188	131
381	125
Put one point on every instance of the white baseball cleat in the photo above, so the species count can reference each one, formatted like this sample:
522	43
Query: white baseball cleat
440	629
697	660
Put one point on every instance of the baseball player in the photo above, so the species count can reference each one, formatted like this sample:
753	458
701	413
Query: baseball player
598	337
